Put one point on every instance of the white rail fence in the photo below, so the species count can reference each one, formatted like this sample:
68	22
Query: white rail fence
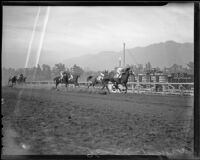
141	87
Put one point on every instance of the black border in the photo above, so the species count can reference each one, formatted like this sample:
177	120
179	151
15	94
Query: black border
86	157
196	114
196	79
85	3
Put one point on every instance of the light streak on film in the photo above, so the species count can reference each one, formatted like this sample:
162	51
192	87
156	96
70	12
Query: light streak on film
42	36
32	37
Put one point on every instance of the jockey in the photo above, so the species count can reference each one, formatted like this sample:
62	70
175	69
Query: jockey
71	77
21	76
119	72
100	77
62	74
101	74
18	76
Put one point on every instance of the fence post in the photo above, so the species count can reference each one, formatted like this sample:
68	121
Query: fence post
132	86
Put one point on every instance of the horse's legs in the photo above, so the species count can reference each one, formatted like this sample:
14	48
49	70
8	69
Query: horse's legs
66	87
77	84
103	86
89	85
117	86
107	88
57	83
126	88
14	83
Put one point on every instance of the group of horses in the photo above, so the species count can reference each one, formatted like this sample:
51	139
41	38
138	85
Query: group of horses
103	79
66	79
15	79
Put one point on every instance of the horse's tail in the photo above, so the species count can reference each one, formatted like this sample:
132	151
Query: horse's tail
88	78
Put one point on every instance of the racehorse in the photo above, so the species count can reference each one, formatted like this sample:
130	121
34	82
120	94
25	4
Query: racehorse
93	80
21	79
116	81
66	80
74	80
13	80
58	80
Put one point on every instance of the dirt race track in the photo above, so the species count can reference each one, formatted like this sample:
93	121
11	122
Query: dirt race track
78	122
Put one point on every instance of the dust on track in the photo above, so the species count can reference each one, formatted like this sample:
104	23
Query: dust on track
71	122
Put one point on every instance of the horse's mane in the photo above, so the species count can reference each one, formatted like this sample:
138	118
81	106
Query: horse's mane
126	70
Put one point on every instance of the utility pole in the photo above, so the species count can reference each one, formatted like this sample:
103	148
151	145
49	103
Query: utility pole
120	61
124	56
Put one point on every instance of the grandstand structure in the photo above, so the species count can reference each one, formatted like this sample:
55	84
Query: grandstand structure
158	82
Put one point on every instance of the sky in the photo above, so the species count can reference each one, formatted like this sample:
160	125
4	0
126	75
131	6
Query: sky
63	32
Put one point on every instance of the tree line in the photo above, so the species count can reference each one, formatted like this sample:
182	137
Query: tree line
46	73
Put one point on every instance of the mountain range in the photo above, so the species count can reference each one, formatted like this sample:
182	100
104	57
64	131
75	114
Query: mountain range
163	54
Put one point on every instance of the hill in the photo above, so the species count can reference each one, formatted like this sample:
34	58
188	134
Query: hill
159	55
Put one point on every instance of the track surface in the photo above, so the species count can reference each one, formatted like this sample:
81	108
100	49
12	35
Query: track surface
75	122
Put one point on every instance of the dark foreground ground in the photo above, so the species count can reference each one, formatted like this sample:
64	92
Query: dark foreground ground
69	122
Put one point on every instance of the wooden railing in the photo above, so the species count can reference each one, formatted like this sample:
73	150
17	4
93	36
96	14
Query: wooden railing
130	83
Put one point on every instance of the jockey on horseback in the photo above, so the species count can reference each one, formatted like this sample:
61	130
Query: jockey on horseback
119	71
18	76
21	76
62	73
70	76
102	75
